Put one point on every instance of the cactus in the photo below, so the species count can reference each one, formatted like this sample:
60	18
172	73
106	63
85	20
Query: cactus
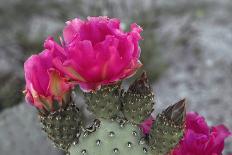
116	127
168	128
63	126
105	103
111	137
138	101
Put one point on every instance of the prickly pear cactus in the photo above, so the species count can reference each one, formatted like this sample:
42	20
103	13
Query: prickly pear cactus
116	128
62	126
105	103
112	137
168	128
138	101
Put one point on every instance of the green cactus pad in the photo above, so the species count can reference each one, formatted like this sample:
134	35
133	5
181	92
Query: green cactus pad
62	126
104	103
168	128
138	101
112	138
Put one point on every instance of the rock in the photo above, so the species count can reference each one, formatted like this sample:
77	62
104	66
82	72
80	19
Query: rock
21	133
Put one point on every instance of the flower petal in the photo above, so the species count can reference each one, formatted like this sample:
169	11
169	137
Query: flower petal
58	86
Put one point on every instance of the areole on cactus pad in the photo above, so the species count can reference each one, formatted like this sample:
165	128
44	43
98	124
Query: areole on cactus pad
97	55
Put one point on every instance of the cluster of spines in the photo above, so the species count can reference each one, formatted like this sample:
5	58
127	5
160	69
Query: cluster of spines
138	101
168	128
105	103
63	126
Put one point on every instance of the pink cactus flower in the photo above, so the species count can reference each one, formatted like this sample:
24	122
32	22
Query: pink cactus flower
99	52
43	82
146	125
200	139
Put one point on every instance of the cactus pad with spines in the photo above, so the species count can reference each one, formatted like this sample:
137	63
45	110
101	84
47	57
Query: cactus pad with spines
168	128
62	126
138	101
116	127
104	103
112	138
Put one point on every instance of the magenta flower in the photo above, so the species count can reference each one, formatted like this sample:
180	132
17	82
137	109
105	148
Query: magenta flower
146	125
200	139
99	52
43	82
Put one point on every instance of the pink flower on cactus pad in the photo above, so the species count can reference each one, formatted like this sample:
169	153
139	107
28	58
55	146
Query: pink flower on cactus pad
146	125
200	139
43	82
99	52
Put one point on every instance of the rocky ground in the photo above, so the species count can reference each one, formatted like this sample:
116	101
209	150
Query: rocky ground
197	46
21	133
188	56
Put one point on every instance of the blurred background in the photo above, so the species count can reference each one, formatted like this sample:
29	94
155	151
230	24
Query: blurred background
187	51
